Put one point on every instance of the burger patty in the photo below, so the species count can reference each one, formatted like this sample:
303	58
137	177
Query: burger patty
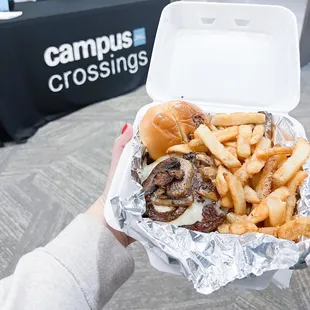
211	219
168	216
176	182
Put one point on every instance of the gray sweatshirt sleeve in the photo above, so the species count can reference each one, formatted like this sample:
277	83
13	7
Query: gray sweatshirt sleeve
79	269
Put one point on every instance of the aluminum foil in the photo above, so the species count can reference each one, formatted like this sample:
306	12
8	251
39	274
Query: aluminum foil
212	260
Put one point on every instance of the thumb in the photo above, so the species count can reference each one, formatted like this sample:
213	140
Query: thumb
118	148
121	142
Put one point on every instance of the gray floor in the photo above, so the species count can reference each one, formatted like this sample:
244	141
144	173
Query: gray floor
62	170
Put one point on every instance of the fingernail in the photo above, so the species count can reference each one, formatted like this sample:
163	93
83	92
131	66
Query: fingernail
124	128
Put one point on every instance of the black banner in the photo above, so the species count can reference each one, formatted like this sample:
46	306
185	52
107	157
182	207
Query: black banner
53	63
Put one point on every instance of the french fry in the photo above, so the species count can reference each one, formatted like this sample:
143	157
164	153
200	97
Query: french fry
282	160
255	165
250	195
216	147
233	151
238	118
255	179
222	136
273	231
196	142
237	193
261	212
264	186
281	193
227	202
234	218
233	170
217	162
243	141
292	185
213	128
276	150
277	210
263	144
223	228
292	230
220	182
293	164
227	134
179	148
199	149
304	222
242	228
231	144
197	145
238	228
242	174
258	133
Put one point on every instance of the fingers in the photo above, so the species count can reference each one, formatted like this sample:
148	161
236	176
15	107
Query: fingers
122	140
119	145
125	137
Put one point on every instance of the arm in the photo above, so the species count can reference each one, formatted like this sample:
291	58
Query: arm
80	269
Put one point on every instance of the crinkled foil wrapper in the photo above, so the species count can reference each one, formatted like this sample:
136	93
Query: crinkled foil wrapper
212	260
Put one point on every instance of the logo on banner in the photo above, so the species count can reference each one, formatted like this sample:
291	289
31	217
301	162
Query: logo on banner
139	37
104	50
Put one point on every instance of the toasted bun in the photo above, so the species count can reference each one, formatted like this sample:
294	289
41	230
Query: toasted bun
168	124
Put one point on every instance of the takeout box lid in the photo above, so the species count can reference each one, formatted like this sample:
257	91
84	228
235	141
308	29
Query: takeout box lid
236	55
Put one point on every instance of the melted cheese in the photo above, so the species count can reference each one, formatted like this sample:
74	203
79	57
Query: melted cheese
162	208
192	215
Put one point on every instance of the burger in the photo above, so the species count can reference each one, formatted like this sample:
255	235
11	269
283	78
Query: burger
170	124
178	188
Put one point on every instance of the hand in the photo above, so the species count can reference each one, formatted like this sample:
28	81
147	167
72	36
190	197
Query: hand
96	209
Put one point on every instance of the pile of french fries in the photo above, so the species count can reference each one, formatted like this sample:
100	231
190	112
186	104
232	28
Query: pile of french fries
256	180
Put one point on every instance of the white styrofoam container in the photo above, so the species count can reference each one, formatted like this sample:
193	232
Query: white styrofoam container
224	58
